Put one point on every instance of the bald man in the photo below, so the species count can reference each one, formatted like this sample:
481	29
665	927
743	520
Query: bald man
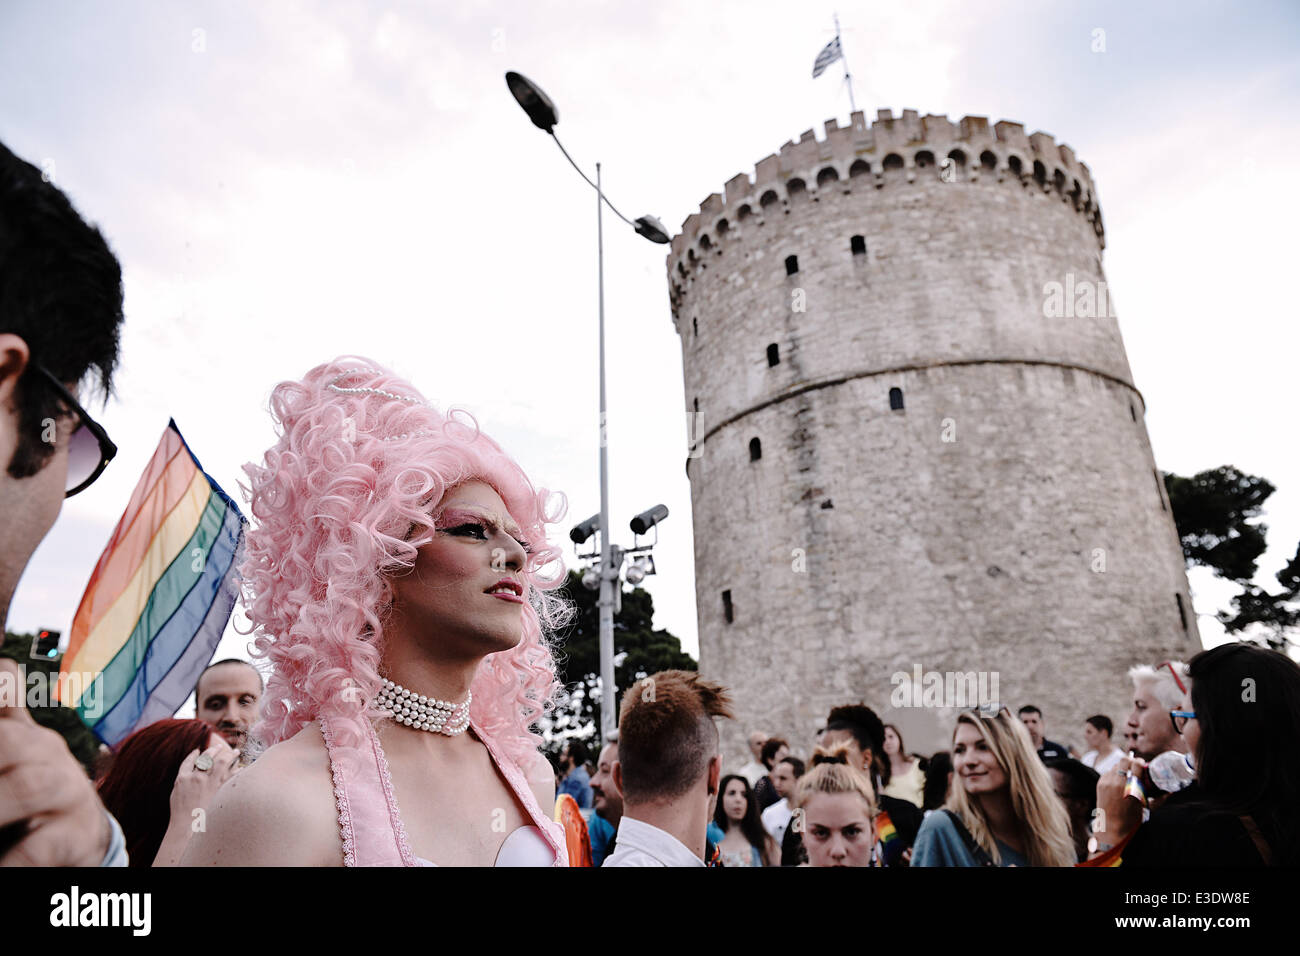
755	770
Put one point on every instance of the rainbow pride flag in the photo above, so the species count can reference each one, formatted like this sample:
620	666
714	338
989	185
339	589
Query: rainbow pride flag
158	600
1133	787
891	844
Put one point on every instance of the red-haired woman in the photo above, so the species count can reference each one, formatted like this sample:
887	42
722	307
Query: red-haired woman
161	776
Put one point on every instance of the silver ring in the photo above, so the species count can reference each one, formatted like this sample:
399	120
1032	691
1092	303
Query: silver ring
203	763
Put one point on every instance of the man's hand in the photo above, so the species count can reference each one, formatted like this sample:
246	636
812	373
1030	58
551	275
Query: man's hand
1122	815
45	796
194	789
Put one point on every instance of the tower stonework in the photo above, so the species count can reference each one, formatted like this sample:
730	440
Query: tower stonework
909	451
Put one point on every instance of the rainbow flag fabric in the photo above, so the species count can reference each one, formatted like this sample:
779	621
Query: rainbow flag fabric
891	845
158	600
1133	787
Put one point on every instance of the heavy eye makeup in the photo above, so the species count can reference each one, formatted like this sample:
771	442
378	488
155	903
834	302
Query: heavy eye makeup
480	532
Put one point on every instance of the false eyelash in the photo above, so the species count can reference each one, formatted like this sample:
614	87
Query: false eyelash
483	530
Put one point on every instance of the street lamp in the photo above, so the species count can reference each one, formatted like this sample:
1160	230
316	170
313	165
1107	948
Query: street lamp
541	110
637	570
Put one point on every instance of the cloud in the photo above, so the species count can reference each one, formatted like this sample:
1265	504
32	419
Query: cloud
338	178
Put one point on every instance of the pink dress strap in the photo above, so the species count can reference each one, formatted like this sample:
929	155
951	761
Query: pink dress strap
551	830
370	823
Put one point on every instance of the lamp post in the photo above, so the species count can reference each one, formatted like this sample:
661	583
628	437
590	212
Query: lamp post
542	112
612	557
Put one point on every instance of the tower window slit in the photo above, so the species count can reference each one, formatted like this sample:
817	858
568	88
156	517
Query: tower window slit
773	356
859	245
895	399
791	265
755	449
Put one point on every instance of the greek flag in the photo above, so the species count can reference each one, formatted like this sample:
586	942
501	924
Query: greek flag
829	54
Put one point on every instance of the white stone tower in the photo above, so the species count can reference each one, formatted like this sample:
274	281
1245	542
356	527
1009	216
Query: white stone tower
918	440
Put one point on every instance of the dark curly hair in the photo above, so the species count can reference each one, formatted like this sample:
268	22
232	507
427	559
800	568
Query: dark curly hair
862	723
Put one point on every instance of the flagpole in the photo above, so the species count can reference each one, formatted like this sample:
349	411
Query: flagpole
847	76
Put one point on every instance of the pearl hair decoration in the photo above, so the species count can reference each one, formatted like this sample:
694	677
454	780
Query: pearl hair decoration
423	713
333	386
406	435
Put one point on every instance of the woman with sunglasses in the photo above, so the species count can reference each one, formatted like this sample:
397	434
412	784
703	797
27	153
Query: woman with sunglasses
1002	809
1240	718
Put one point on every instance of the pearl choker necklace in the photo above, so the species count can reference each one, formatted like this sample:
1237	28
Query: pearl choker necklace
423	713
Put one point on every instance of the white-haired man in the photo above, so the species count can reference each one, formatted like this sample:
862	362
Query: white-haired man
1156	691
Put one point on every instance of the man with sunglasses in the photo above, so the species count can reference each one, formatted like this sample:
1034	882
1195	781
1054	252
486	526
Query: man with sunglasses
60	321
1156	691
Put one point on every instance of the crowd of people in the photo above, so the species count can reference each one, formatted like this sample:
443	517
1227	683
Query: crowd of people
401	582
1207	775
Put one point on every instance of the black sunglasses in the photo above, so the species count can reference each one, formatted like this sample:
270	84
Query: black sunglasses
89	447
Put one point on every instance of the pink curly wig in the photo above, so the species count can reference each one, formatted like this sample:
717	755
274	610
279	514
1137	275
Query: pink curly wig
340	507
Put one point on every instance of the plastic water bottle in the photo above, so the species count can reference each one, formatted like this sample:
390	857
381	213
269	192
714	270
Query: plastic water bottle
1171	771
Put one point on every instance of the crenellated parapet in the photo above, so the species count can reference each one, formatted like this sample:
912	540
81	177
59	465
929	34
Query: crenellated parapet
914	440
891	153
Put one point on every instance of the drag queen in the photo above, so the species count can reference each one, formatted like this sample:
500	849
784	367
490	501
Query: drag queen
397	580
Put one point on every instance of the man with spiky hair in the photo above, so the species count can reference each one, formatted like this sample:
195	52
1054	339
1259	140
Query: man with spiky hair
668	769
60	320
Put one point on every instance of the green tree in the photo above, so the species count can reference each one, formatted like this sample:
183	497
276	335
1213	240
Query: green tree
48	713
1213	512
639	650
1217	515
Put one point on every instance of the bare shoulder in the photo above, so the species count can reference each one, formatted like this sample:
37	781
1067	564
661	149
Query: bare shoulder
541	780
278	812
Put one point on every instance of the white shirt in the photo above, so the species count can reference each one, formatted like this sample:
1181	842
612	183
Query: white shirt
640	844
1107	763
776	818
752	772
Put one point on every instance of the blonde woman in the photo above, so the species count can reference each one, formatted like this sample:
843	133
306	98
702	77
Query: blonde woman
836	808
1002	810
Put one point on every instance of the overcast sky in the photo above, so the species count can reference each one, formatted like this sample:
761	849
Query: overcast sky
288	182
